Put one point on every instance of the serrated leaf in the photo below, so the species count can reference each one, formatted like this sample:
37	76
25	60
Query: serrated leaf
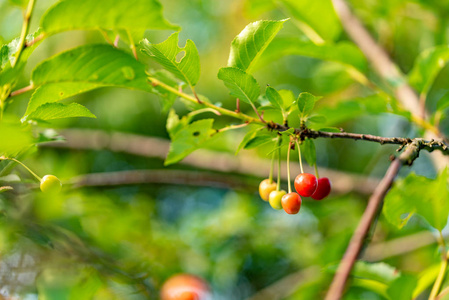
417	194
309	151
188	139
317	14
82	69
248	136
109	14
187	69
241	84
427	67
344	53
306	103
247	47
51	111
274	97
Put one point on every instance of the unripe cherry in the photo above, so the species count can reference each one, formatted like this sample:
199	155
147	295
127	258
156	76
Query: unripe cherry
323	189
275	199
305	184
291	203
50	184
266	186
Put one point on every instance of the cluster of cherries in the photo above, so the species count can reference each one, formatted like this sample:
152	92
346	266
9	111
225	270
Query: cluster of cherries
306	185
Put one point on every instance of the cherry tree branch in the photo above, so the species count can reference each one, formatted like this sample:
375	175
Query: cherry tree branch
355	245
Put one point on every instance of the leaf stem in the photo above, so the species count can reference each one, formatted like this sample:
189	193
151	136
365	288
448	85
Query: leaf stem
223	111
316	171
437	285
25	28
22	164
273	156
299	154
132	44
22	90
288	167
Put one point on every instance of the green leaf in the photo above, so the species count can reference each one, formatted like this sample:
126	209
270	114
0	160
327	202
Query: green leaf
427	67
241	84
109	14
309	151
248	136
417	194
330	129
173	123
317	119
187	69
443	103
14	139
247	47
380	272
83	69
402	287
259	140
188	139
343	53
425	279
167	98
274	97
306	103
319	15
51	111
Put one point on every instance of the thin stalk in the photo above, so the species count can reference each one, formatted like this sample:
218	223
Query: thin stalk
23	165
299	154
132	44
437	285
25	29
272	167
288	167
223	111
316	171
278	187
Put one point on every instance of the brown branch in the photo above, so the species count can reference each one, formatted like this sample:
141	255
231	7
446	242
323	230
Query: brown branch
388	70
245	163
355	245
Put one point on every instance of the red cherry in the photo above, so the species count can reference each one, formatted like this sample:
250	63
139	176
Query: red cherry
184	287
323	189
305	184
291	203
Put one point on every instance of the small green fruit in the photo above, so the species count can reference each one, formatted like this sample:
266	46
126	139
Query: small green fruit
275	199
50	184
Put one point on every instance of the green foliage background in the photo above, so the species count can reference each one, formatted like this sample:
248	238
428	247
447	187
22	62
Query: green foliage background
122	242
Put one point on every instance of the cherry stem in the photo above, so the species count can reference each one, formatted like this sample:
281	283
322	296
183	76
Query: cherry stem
288	168
23	165
299	154
278	187
272	167
316	172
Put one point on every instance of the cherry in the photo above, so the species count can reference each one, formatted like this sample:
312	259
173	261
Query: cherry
305	184
50	184
184	287
291	203
265	188
275	199
323	189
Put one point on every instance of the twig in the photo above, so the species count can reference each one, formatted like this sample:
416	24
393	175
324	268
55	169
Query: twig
440	277
388	70
22	90
35	40
355	245
245	163
25	29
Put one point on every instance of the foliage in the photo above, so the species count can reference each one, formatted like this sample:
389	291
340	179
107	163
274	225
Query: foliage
290	71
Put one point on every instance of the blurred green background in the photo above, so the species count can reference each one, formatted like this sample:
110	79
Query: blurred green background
122	240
